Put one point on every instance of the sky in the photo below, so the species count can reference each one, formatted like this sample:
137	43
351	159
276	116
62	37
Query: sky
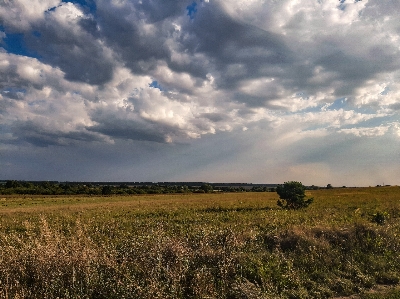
251	91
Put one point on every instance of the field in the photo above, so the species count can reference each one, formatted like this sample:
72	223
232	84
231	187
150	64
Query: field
224	245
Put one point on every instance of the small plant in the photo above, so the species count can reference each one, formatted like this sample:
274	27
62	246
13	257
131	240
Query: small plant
380	217
292	196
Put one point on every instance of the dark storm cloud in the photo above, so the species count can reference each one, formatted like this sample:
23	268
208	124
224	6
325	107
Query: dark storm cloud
130	129
90	26
37	134
78	54
395	106
223	41
354	71
120	27
229	42
123	30
12	84
66	40
214	117
22	74
158	10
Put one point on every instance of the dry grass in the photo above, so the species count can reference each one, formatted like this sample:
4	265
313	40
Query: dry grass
199	246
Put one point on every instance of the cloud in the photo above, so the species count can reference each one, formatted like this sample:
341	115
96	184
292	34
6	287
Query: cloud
180	71
20	15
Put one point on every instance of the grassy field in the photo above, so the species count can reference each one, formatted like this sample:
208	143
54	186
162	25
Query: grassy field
233	245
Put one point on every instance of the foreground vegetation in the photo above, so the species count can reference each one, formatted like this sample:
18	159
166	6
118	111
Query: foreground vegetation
226	245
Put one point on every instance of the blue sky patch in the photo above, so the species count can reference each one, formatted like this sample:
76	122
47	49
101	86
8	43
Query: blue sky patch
155	84
338	104
385	91
14	43
192	9
13	89
13	93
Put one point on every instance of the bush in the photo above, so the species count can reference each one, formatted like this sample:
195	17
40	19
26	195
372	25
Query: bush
292	196
106	190
380	217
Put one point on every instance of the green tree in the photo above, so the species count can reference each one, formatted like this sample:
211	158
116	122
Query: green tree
292	196
106	190
206	188
12	184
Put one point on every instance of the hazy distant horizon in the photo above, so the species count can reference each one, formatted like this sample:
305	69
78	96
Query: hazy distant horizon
213	90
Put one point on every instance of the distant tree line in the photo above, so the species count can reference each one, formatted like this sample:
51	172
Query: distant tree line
74	188
56	188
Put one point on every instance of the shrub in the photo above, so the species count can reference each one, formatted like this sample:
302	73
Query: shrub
380	217
292	196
